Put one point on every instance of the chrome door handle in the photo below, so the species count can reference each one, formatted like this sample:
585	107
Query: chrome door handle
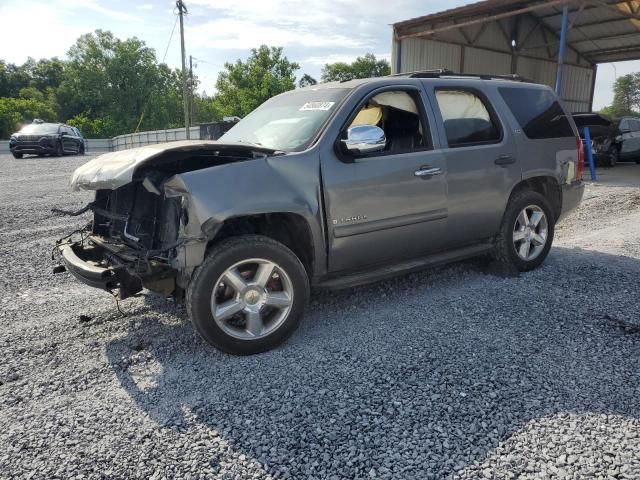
427	172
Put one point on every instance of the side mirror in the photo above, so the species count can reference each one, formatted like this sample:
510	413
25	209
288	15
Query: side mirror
362	139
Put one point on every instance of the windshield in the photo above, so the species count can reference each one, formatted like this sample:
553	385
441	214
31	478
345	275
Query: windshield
287	122
40	129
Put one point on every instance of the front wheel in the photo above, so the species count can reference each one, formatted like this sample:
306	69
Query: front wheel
17	155
612	157
526	233
248	296
59	149
81	150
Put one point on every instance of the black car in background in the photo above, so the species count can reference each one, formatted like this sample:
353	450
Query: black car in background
611	140
42	138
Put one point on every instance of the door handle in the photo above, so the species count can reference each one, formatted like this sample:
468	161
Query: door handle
426	172
505	159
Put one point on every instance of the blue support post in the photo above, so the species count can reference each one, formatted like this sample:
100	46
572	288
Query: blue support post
562	49
589	152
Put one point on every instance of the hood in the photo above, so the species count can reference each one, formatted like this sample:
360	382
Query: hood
115	169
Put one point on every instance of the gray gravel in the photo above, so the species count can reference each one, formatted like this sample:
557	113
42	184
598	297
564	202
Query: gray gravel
447	373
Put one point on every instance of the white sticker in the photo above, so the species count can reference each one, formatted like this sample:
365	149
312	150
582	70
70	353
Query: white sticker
317	106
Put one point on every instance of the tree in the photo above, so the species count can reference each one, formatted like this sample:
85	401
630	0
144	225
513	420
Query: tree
116	81
17	111
363	67
307	80
243	86
626	95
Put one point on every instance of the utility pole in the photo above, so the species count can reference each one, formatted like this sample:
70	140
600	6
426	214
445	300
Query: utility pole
190	90
182	9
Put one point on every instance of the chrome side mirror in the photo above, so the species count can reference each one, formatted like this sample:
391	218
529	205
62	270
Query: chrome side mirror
363	139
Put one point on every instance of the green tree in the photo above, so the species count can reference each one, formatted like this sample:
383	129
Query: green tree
306	81
14	112
243	86
363	67
117	80
626	95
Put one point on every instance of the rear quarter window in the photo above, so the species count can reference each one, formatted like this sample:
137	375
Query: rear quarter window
538	112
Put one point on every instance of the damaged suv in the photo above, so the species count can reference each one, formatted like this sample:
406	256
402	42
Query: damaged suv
329	186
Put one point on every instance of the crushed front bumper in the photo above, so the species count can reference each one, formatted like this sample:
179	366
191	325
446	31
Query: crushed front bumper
88	263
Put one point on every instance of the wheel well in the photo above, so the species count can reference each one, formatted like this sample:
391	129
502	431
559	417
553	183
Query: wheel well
546	186
289	229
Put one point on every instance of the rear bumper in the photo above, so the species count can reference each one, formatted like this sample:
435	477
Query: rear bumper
571	197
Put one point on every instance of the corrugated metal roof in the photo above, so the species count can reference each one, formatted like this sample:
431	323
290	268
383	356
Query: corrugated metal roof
601	30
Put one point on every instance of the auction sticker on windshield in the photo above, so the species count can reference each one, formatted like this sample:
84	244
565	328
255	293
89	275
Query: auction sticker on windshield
317	106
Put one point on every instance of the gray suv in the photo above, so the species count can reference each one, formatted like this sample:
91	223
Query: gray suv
330	186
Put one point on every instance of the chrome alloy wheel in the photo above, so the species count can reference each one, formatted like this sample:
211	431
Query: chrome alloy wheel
530	232
251	299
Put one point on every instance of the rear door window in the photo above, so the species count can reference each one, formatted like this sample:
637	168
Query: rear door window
538	112
467	120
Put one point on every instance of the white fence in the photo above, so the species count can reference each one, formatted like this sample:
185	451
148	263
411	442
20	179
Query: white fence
132	140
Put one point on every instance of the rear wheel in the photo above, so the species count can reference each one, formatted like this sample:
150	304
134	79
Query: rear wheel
17	155
81	150
526	233
248	296
59	150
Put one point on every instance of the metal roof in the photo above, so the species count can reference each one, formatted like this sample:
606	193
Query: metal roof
600	31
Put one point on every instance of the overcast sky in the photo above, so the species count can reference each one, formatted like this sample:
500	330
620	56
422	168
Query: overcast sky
312	32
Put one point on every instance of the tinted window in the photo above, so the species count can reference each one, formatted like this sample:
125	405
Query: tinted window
466	118
635	125
538	112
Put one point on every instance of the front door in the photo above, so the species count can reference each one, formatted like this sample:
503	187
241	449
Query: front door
389	205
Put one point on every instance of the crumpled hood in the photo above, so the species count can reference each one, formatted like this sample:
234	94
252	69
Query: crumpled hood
115	169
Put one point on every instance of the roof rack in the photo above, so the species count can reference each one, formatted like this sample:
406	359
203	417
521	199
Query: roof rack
443	72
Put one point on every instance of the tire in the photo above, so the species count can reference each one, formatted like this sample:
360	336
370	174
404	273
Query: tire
59	150
81	150
507	249
208	289
17	155
613	157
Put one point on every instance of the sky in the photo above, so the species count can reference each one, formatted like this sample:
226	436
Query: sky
312	33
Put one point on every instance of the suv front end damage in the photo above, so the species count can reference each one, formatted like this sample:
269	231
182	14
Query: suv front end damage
144	233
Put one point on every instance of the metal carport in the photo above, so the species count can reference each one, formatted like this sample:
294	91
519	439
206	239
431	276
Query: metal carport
524	38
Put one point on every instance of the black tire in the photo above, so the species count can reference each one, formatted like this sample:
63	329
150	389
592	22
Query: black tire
613	157
17	155
505	250
59	149
218	260
81	150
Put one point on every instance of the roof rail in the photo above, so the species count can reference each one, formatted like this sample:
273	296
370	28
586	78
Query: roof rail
443	72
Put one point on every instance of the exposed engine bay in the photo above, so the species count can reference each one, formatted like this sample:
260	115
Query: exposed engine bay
143	234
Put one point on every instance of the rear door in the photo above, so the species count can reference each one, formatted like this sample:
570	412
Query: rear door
482	165
386	206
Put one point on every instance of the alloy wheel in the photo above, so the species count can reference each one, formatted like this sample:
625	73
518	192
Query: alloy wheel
252	299
530	232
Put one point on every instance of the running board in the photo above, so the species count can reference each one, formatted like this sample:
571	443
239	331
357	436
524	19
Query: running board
415	264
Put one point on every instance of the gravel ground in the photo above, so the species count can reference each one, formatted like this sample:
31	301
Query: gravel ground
448	373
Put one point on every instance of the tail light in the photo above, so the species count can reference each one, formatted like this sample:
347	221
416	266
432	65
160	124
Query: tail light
580	165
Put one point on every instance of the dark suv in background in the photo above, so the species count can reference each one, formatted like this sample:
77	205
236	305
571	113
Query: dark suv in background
329	186
41	138
611	140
